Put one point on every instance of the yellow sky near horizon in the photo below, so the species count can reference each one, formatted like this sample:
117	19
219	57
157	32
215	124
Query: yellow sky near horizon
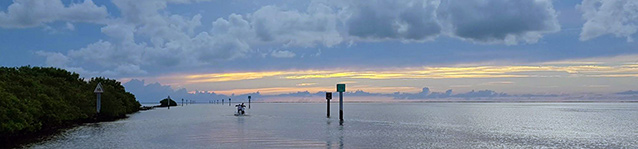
578	75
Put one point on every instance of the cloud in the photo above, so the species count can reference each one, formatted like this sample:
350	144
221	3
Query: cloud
403	20
306	84
272	25
481	93
317	25
332	22
499	21
154	92
282	54
103	53
221	77
547	71
629	92
499	83
32	13
70	26
147	37
130	69
54	59
426	94
235	27
617	17
513	21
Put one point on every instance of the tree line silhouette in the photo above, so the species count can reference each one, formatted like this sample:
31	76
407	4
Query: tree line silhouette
34	99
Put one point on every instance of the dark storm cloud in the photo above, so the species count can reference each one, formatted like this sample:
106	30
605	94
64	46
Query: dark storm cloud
499	21
404	20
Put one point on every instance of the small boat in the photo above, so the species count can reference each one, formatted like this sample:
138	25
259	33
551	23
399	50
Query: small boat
240	110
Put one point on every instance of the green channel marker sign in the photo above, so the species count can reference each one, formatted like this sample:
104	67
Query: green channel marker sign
341	87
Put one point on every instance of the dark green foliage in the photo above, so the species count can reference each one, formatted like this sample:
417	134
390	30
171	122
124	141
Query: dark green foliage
164	102
116	102
35	98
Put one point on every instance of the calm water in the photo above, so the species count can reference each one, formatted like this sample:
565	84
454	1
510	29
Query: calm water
367	125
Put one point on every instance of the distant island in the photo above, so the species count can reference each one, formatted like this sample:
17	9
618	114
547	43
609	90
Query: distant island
39	100
165	103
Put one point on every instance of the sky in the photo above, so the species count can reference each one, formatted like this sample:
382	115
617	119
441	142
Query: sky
287	46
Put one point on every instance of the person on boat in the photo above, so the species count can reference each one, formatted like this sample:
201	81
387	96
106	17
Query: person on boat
240	108
243	108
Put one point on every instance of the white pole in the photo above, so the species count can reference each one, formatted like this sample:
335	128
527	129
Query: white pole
99	102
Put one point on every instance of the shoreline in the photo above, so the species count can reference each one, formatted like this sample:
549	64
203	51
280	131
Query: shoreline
21	140
17	141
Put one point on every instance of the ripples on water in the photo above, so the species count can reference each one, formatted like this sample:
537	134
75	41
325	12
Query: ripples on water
367	125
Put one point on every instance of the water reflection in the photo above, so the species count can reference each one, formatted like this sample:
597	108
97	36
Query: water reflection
329	129
240	120
440	125
327	134
341	137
